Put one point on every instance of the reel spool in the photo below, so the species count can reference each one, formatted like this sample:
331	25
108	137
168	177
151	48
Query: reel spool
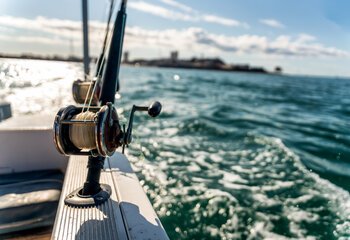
82	89
93	133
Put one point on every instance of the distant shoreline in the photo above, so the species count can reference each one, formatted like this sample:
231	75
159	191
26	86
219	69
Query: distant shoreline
193	68
47	58
193	63
200	64
128	64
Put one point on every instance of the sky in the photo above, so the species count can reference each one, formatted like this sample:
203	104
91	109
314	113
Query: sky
303	37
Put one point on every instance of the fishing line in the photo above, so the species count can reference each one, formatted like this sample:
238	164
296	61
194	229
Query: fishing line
83	135
138	142
98	78
87	96
107	38
93	90
107	27
103	59
95	85
107	31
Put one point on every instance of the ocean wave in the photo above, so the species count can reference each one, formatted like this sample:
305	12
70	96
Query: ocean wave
265	191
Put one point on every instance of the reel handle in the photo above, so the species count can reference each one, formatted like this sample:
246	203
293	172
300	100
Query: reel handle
153	111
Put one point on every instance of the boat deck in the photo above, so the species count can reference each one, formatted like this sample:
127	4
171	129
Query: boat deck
26	144
128	214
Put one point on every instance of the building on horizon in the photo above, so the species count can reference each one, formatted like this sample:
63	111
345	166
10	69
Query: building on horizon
174	56
126	57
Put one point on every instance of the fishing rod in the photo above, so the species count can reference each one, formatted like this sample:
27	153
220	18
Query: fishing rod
81	89
95	131
110	77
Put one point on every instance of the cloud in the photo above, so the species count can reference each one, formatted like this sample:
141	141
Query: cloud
304	38
188	13
272	23
192	40
161	11
223	21
178	5
32	39
199	40
58	30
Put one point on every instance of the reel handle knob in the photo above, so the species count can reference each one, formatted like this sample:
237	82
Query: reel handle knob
154	109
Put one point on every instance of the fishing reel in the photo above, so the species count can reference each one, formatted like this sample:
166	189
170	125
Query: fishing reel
82	91
95	132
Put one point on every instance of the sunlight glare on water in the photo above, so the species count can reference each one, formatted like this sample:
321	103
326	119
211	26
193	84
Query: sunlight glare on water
37	86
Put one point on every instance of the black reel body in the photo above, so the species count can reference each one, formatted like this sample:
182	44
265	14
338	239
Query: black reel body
93	133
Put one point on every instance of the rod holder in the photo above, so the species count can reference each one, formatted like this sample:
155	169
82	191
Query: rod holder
92	193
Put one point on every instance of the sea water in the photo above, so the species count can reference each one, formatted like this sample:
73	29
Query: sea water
232	156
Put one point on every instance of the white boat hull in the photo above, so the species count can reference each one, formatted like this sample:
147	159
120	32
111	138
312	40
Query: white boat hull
26	144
